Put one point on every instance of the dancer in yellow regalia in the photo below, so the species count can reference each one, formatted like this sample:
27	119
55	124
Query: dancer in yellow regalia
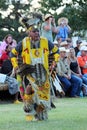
34	51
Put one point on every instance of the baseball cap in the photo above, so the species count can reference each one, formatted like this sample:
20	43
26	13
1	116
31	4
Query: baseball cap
64	43
62	49
83	48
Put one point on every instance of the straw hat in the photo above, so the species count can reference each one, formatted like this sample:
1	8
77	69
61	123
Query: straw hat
62	19
47	16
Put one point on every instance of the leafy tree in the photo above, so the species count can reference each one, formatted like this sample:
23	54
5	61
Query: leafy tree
75	11
9	21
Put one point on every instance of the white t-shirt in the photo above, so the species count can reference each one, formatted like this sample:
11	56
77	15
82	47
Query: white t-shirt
2	78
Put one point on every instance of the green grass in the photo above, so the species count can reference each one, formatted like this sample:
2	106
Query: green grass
70	114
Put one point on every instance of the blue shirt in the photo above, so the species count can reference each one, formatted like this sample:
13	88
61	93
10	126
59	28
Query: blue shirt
63	33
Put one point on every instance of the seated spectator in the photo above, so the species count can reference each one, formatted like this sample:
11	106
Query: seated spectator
8	40
77	48
12	85
82	44
66	45
5	55
69	41
65	76
5	63
59	40
63	29
82	60
76	71
6	67
56	43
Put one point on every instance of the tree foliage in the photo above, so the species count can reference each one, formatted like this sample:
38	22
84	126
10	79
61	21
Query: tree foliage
75	11
9	21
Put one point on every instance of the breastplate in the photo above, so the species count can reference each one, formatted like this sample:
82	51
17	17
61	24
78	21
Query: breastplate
40	73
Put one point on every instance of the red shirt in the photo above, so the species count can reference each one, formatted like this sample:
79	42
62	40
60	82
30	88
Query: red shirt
82	60
4	56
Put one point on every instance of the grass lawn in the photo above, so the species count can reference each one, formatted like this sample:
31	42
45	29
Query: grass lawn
70	114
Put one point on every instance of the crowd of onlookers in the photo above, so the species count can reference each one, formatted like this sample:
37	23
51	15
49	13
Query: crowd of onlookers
71	67
6	67
68	71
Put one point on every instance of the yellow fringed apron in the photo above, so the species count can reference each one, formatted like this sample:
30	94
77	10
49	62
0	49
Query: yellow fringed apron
37	55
